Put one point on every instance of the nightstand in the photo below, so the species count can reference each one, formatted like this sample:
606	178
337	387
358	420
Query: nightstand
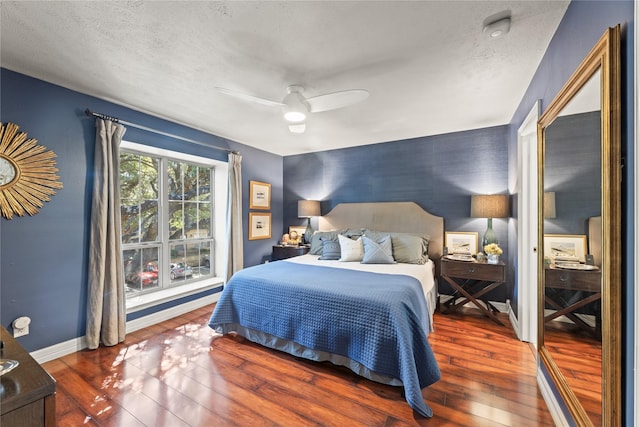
585	287
279	252
470	281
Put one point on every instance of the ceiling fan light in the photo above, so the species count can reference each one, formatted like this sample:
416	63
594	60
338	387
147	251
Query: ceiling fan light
297	128
294	116
295	110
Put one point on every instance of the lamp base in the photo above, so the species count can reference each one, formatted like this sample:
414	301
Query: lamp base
489	235
308	232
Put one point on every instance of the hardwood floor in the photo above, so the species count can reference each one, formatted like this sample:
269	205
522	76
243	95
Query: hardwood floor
179	373
579	357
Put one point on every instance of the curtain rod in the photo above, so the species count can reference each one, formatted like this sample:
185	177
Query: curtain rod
159	132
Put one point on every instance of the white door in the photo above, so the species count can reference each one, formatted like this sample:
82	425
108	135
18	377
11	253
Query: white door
527	287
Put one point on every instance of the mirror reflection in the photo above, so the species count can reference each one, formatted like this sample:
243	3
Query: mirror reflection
572	235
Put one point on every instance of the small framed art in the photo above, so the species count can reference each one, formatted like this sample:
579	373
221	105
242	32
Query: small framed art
259	225
259	195
565	247
461	242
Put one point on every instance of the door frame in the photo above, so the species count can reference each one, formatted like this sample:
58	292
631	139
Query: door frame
527	229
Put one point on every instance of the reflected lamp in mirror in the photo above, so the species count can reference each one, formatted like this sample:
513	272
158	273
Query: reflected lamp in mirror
308	209
489	206
549	207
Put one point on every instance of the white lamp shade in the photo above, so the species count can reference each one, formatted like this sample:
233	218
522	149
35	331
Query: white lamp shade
549	207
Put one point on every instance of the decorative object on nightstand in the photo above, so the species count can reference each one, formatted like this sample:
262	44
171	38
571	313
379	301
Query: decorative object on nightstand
489	206
493	252
308	209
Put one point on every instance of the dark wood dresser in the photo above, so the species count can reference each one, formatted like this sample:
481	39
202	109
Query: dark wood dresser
28	392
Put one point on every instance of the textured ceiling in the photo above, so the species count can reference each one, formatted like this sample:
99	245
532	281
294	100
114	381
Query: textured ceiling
427	64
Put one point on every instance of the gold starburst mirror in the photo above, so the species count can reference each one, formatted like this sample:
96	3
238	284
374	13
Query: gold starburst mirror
27	173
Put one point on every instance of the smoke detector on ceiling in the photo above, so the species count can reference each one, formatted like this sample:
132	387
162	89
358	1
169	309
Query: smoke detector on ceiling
497	25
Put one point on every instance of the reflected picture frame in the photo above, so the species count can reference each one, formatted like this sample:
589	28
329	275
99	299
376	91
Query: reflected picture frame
259	195
461	242
565	247
259	225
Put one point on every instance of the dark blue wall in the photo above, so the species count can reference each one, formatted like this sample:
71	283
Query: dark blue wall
43	259
439	173
572	171
582	26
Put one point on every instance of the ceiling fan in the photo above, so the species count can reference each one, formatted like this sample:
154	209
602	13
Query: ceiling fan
295	107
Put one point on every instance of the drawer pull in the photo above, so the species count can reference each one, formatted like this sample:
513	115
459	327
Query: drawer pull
564	278
472	270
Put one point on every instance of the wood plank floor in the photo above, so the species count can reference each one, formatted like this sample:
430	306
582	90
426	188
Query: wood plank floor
579	357
179	373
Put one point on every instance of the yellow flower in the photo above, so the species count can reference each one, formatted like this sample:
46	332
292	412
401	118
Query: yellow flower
493	249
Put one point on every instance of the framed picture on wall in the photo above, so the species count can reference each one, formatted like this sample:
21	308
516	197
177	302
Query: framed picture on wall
461	242
259	195
565	247
259	225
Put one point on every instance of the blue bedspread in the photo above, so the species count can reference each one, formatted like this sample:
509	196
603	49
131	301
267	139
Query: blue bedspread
378	320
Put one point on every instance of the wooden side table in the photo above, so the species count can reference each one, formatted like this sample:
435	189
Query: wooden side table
470	281
585	285
279	252
28	392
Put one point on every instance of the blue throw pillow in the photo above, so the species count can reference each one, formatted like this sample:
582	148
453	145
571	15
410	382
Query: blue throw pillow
377	252
330	250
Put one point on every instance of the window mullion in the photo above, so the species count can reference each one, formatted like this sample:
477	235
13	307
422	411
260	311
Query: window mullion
164	221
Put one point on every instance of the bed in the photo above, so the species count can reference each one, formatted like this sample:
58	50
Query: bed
371	315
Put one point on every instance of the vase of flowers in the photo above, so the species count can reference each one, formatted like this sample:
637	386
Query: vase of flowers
493	252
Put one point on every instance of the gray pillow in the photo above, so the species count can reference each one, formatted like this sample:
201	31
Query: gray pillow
407	248
319	236
330	250
377	252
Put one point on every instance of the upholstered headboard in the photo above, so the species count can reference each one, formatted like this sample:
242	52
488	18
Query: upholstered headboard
399	217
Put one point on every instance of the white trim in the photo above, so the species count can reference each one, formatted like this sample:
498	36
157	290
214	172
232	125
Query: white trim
77	344
151	299
552	404
170	313
636	210
526	325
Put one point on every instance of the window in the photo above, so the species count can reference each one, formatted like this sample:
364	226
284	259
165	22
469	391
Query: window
169	220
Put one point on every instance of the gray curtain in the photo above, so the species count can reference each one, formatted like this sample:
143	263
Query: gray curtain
235	260
106	314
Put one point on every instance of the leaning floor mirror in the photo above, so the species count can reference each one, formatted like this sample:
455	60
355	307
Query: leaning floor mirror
579	266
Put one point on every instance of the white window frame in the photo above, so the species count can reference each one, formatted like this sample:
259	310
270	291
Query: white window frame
219	201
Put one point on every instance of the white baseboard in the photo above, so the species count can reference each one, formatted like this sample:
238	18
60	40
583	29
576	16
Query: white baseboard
77	344
552	404
515	324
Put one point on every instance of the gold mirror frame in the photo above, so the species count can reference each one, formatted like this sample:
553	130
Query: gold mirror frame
27	173
604	56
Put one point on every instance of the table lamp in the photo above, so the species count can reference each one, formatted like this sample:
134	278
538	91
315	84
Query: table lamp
489	206
308	209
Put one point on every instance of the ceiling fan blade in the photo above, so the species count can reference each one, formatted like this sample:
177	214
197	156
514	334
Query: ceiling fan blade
334	100
250	98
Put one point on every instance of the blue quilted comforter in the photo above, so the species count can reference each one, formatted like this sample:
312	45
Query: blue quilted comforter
378	320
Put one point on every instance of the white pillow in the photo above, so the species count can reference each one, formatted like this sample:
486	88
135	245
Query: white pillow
350	250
